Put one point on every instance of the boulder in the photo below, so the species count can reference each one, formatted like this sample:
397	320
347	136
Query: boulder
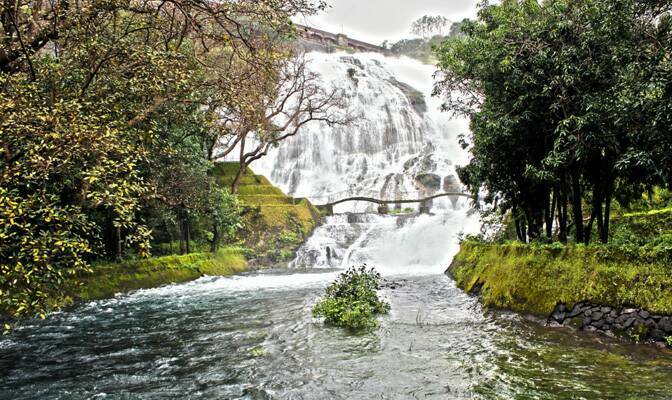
665	324
430	181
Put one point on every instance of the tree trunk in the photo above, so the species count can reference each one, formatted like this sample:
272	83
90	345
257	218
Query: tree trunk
239	176
180	217
607	212
215	238
562	215
118	239
576	207
550	213
187	236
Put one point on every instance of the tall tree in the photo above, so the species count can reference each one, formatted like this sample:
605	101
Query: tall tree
551	88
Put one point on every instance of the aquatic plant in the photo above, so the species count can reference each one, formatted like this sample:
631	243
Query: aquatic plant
352	300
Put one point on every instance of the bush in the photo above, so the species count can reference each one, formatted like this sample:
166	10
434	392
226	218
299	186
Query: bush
352	300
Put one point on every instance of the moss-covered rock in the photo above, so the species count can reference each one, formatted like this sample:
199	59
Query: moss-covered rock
533	279
271	218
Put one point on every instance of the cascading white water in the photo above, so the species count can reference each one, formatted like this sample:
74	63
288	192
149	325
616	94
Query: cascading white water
400	146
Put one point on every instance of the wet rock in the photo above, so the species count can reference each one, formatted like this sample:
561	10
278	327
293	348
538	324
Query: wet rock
657	335
665	324
628	323
599	324
644	314
597	315
629	311
605	310
451	184
587	321
558	316
575	311
430	181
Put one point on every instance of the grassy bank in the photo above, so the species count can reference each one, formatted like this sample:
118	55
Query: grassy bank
110	279
533	279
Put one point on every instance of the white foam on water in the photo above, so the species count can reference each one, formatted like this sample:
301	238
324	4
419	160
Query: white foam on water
392	150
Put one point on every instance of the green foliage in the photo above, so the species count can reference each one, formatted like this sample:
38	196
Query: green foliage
109	116
352	300
43	247
534	278
569	107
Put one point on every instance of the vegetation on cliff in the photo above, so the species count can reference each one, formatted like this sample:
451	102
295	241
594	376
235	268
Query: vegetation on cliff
533	279
631	271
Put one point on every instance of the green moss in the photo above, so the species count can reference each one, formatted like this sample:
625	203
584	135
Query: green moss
258	200
275	224
255	190
106	280
533	279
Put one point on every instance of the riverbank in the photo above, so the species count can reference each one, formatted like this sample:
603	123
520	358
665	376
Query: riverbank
585	287
274	226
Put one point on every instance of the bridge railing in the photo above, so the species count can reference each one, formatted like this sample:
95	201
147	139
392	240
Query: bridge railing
374	196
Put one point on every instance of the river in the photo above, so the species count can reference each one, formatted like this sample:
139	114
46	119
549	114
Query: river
253	336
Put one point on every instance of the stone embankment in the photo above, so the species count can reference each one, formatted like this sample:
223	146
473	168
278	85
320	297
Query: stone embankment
635	323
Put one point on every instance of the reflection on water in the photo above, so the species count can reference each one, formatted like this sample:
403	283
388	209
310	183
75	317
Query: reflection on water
253	338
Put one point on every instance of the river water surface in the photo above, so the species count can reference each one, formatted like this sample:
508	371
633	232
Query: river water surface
252	337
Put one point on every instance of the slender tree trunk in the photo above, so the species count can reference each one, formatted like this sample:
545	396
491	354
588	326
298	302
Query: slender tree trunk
118	240
215	238
589	228
187	237
239	176
550	212
562	215
577	207
182	232
607	212
241	170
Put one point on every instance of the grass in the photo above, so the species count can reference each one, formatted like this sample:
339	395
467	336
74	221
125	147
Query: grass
271	216
110	279
533	279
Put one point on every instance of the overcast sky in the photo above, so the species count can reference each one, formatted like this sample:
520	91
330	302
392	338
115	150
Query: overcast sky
374	21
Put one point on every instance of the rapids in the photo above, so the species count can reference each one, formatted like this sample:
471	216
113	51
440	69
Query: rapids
253	336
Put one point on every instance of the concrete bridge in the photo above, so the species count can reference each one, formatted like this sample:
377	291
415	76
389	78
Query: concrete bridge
383	205
330	41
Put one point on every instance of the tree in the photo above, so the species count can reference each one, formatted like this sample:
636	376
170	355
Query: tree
280	107
428	26
551	90
100	99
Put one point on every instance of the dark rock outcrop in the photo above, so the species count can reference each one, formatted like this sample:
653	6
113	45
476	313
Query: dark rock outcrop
634	323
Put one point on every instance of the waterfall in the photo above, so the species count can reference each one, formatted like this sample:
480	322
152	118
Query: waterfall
400	146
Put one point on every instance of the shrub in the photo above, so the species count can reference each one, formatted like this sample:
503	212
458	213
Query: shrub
352	300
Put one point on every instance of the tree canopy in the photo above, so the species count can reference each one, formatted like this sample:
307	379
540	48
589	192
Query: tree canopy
570	108
111	113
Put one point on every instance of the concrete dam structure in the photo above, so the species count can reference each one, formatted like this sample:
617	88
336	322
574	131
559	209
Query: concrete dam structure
312	39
